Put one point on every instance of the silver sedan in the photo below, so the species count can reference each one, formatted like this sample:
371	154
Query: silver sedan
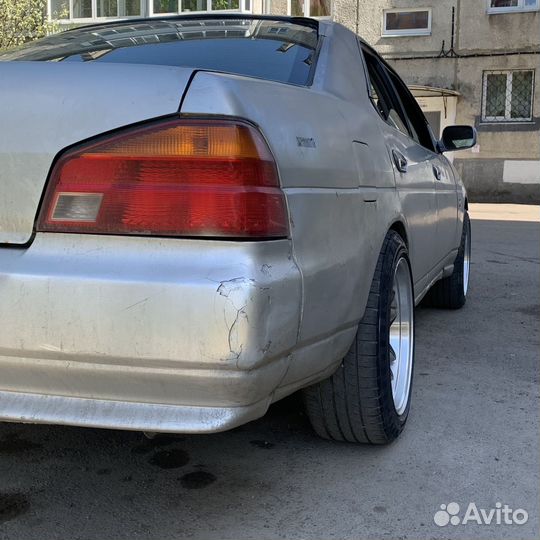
201	215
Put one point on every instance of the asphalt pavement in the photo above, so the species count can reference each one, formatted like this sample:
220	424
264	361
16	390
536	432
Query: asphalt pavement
472	439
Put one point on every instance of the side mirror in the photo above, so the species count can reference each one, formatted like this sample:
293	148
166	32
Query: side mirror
457	138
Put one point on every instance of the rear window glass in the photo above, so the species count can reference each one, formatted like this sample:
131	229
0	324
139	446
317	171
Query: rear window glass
275	50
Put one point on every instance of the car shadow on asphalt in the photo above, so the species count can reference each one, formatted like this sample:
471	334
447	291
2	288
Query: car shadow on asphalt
274	478
68	473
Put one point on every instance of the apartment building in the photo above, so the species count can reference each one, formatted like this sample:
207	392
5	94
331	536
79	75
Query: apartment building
466	61
469	62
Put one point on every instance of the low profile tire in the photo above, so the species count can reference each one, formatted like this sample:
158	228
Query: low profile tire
367	399
451	292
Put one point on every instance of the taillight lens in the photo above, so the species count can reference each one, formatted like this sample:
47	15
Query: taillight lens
176	178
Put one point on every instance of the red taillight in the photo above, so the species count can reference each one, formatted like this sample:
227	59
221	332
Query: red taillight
176	178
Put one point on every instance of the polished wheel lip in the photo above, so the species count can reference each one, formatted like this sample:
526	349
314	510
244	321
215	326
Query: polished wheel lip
466	261
401	335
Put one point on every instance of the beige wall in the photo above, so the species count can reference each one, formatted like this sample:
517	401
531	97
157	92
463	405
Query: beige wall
495	38
476	30
518	143
371	21
258	6
479	31
276	7
439	72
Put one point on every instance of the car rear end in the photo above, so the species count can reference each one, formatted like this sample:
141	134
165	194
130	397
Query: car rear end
147	279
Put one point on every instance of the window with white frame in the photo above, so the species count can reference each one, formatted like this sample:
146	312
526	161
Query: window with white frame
309	8
407	22
169	7
84	10
507	96
506	6
88	10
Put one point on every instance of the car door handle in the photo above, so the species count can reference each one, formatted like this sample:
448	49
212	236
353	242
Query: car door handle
437	173
400	160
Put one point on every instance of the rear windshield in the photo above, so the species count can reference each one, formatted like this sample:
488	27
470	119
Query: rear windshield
281	51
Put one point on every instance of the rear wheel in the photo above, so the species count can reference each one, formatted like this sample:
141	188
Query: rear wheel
451	292
367	399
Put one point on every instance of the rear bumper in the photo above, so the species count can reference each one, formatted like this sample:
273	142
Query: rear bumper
150	334
48	409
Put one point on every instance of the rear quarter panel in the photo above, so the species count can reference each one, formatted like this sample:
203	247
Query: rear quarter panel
336	174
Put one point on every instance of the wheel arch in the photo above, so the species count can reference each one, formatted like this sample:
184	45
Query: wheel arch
399	227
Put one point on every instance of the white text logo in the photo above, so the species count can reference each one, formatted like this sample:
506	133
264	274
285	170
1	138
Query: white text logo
500	515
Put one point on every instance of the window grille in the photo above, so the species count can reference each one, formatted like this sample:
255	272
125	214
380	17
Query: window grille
507	96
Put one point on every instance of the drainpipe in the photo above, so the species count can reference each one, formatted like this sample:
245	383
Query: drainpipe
456	32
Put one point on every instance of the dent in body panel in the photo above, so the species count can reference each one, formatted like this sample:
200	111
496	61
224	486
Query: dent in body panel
236	315
170	302
228	289
338	218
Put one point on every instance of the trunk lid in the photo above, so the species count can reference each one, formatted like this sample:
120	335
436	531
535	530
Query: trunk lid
47	106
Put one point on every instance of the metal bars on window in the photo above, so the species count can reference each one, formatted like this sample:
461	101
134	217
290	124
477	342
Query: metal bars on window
507	96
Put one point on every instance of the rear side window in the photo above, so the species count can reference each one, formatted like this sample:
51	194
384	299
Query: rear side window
382	95
417	121
394	102
274	50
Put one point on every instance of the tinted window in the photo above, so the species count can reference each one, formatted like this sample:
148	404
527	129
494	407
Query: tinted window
395	103
274	50
405	20
417	121
382	95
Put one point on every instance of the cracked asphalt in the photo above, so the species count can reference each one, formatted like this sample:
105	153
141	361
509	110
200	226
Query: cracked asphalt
472	437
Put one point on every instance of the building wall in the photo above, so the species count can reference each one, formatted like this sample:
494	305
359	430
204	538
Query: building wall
503	148
479	31
505	165
276	7
483	42
365	17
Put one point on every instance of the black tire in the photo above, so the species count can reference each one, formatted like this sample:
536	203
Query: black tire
356	404
449	292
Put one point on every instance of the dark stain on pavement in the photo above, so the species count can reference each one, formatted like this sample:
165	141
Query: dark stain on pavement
532	310
170	459
11	444
262	444
157	442
12	505
197	480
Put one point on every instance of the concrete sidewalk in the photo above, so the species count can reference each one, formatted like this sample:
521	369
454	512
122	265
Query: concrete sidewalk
505	212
